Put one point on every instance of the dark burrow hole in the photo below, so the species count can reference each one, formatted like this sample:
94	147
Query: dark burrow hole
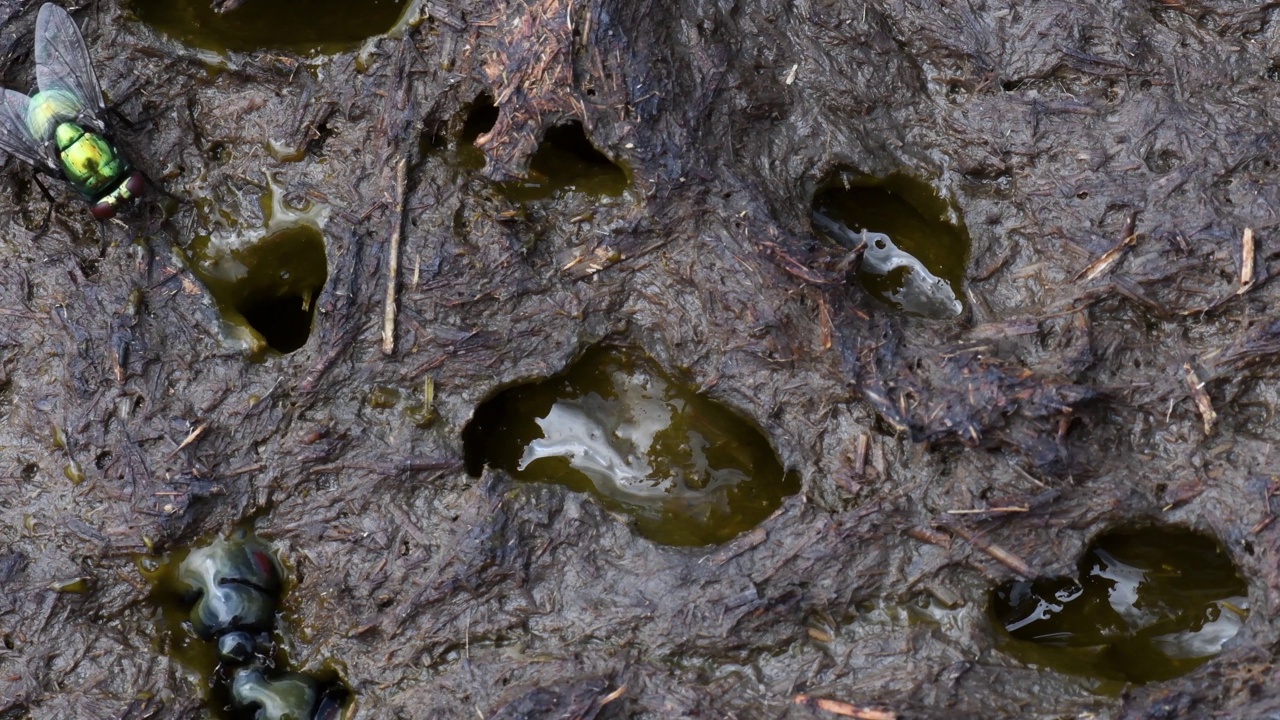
481	115
1148	604
686	469
221	608
566	161
327	26
266	290
917	246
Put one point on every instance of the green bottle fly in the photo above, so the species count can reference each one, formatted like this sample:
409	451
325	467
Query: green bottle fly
61	130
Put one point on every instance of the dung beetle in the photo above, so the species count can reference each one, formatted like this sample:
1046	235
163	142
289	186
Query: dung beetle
235	584
289	696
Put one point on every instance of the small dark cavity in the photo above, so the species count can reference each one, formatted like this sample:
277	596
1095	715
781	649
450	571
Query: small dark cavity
566	161
322	132
1147	605
220	603
304	26
907	210
688	470
270	285
481	116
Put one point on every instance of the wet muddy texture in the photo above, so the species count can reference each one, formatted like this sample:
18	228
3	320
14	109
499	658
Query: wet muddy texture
1109	369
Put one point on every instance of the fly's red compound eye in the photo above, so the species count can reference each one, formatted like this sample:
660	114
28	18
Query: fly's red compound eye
135	184
103	211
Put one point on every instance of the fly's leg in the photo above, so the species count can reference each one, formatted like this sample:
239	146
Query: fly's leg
48	213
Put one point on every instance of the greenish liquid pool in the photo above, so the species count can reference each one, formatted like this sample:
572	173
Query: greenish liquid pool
1148	605
687	470
267	288
567	162
911	214
303	26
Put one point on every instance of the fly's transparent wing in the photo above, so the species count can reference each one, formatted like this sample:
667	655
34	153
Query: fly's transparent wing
15	134
63	65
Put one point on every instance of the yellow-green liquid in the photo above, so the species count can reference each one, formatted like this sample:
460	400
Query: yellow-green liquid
913	217
1148	605
687	470
567	162
480	118
296	25
268	287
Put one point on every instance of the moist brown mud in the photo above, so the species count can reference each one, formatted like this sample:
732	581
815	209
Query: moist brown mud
1114	363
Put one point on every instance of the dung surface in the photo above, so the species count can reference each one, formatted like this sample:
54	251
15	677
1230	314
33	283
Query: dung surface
1106	158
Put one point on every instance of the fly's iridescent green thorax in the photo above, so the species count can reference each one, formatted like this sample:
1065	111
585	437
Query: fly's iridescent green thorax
90	162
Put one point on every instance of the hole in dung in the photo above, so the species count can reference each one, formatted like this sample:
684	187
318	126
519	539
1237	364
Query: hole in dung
917	246
688	470
481	116
266	290
566	161
1147	605
326	26
225	619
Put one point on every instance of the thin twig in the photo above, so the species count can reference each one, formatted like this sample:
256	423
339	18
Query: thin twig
1109	258
1247	251
1203	404
195	435
393	265
979	511
845	709
1006	558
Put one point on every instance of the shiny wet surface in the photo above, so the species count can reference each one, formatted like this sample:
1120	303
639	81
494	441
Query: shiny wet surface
225	593
565	162
913	216
266	289
1148	605
686	469
298	25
